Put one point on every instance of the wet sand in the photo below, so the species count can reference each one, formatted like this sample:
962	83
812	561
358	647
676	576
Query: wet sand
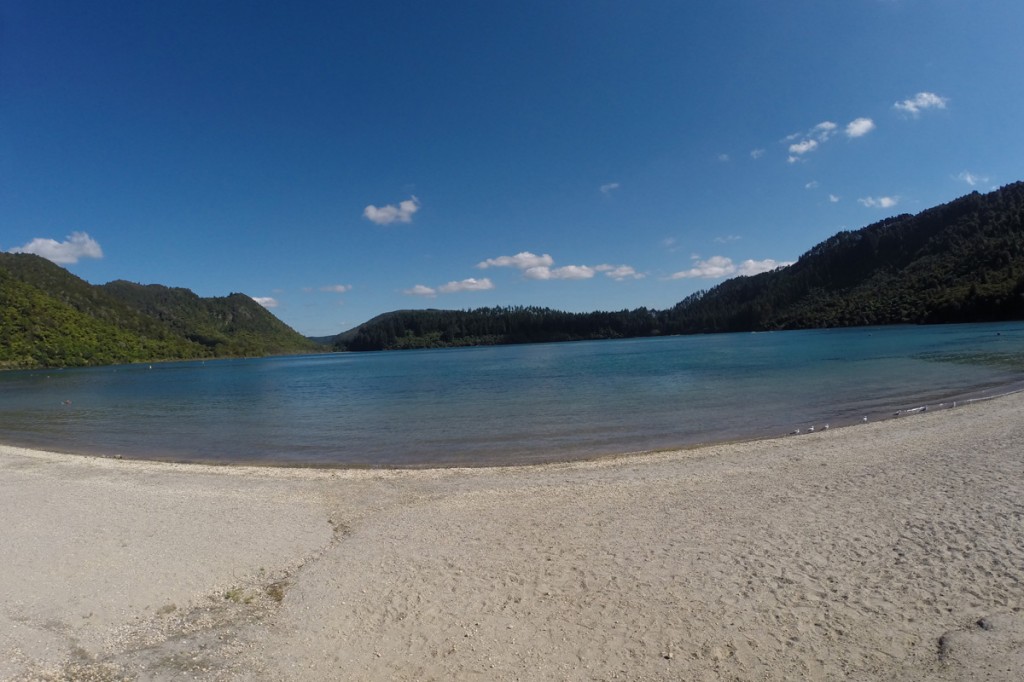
880	551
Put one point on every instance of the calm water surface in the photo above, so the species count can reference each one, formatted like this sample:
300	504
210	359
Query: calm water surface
507	404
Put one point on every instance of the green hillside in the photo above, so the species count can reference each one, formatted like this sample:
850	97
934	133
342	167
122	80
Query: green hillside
233	325
959	262
51	318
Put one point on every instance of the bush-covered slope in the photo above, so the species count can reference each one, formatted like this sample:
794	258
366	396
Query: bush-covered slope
51	318
959	262
230	325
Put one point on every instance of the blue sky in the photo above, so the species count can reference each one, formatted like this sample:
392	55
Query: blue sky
340	160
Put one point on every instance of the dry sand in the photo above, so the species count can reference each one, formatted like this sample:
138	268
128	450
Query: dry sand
883	551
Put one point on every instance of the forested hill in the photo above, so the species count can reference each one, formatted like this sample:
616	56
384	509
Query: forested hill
959	262
51	318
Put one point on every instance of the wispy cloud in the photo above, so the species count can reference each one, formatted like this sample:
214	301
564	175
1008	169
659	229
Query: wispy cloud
724	158
971	179
337	288
756	153
266	301
564	272
420	290
386	215
879	202
522	260
718	267
610	187
804	143
469	284
542	267
619	272
75	246
859	127
798	149
813	184
833	198
920	102
728	239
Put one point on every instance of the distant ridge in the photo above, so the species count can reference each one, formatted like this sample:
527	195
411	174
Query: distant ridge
51	318
959	262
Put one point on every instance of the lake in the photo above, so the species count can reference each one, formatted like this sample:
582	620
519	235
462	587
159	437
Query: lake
507	404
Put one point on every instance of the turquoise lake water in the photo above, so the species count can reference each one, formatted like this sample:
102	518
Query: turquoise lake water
507	404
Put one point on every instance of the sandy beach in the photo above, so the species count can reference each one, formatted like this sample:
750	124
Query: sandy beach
891	550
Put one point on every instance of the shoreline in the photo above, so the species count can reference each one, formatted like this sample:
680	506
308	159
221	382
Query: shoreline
878	415
872	552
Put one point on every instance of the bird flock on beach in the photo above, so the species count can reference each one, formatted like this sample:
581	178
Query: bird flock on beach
897	413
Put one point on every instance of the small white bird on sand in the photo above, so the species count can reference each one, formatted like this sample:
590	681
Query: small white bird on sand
865	420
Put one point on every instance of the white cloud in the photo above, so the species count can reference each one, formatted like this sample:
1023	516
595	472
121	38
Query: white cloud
802	147
385	215
470	284
724	158
879	202
728	239
756	153
420	290
824	130
971	179
813	184
75	246
755	267
564	272
859	127
266	301
804	143
920	102
609	188
541	267
833	198
523	260
712	268
337	288
619	272
718	267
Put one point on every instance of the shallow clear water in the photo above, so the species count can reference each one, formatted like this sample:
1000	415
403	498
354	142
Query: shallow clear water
506	404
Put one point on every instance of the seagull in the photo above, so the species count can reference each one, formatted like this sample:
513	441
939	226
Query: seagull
865	420
810	430
826	427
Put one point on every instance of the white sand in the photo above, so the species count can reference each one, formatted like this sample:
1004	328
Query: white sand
883	551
